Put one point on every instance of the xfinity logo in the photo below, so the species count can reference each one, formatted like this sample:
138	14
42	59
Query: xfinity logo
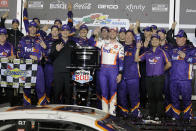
107	6
84	6
132	7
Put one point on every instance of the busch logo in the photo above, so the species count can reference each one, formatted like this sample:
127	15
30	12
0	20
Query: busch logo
107	6
84	6
58	5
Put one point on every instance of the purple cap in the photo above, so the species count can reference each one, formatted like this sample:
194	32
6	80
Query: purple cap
36	19
181	33
122	30
3	31
154	27
155	36
65	27
15	21
58	20
54	26
84	27
147	28
32	23
161	30
105	27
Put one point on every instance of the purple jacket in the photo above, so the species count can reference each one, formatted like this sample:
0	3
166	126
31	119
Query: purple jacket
30	46
155	61
181	68
6	50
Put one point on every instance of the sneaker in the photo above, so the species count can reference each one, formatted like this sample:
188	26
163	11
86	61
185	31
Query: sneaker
156	119
173	118
148	117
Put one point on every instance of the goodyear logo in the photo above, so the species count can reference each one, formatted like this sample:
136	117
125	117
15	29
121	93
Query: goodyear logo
15	73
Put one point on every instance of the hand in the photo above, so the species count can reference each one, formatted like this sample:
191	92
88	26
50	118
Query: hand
25	4
78	25
139	45
182	54
118	78
43	45
45	28
131	27
33	57
5	15
174	25
96	31
11	57
59	46
137	23
69	6
135	30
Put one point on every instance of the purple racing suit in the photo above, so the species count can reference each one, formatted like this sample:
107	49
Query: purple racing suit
180	82
31	46
129	85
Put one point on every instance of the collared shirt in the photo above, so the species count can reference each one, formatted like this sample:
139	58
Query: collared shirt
155	61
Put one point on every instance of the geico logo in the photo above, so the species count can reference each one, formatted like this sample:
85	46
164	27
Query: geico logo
107	6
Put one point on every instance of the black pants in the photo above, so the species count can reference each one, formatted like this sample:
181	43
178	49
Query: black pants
62	91
155	85
9	96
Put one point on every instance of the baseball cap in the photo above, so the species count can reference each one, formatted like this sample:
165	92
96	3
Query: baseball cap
32	23
181	33
147	28
83	27
58	20
3	31
54	26
65	27
36	19
154	27
162	30
105	27
122	30
15	21
155	36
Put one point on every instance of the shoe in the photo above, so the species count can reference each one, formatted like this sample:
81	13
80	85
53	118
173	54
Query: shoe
156	119
173	119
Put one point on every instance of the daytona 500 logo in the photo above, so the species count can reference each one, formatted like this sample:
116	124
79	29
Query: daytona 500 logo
82	76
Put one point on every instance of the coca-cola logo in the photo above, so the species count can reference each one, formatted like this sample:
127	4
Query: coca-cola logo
84	6
3	3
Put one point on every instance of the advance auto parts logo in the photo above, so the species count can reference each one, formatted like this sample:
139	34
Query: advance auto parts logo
82	76
15	73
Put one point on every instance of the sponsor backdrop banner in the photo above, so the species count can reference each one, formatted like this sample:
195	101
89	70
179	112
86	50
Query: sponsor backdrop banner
188	12
18	73
96	12
10	7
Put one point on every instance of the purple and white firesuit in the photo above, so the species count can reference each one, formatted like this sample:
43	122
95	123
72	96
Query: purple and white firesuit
112	56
